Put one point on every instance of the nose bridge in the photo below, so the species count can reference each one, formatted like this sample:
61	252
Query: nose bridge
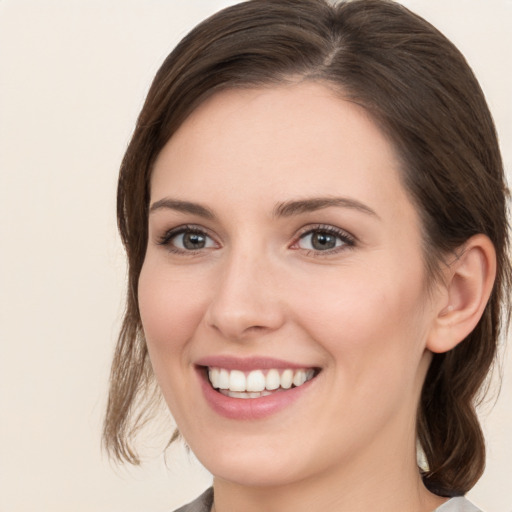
245	299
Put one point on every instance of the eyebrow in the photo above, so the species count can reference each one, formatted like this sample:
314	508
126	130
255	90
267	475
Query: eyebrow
285	209
290	208
182	206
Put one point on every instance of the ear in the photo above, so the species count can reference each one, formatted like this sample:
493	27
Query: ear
467	286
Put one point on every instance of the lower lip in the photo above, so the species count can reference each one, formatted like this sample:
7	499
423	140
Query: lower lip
250	408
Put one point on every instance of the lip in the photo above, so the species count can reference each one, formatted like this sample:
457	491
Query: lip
251	408
247	364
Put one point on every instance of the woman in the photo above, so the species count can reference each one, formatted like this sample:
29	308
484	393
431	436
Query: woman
314	211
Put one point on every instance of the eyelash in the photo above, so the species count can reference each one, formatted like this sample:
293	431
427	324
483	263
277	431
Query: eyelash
348	240
166	238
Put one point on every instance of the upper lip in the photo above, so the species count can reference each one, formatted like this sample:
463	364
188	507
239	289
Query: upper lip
248	363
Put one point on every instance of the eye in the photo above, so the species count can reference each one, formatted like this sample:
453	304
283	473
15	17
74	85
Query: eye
187	239
324	239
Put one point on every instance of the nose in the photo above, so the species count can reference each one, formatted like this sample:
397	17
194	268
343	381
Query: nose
246	302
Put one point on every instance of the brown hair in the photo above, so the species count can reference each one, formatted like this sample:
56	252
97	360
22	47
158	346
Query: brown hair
418	87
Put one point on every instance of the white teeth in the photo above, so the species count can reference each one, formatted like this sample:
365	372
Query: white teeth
273	380
241	394
223	379
299	378
213	375
237	381
256	383
287	379
238	394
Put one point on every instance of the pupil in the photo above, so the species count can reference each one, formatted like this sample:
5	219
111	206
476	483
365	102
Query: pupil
323	241
193	241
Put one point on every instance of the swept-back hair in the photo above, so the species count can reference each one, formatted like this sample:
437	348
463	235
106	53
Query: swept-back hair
421	92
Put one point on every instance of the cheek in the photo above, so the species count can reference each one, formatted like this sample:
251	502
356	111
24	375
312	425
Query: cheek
170	309
368	319
374	341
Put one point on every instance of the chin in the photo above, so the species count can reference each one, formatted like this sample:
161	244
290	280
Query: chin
255	474
255	461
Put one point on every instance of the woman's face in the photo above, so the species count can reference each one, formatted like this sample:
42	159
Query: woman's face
282	249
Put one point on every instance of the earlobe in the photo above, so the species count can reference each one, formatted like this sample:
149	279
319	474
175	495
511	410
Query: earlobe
469	280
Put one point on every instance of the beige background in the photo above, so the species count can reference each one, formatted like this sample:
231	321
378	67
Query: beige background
73	75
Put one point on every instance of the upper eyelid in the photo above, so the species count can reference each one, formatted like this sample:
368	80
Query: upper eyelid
168	234
325	227
187	227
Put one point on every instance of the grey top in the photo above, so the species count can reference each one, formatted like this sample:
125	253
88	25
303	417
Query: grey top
458	505
204	504
201	504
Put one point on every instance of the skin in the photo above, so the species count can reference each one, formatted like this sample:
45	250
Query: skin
360	313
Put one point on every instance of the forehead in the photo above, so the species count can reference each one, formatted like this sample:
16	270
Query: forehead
289	140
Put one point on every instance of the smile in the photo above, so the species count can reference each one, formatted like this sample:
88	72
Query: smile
257	383
253	388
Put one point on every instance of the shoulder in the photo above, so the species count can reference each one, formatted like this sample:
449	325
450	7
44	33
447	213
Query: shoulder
459	504
201	504
204	502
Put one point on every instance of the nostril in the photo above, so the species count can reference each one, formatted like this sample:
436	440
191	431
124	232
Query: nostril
240	325
257	328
